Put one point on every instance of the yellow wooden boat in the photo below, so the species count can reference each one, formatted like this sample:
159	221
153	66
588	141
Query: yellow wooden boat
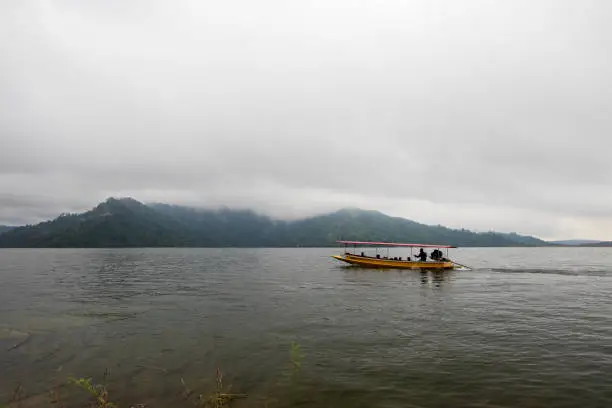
438	261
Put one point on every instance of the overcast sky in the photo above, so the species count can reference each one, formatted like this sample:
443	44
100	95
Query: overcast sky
476	114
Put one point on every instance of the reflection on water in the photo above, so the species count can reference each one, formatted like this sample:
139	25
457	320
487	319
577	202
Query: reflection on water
434	277
526	327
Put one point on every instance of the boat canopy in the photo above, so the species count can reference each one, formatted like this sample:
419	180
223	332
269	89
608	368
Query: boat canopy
393	244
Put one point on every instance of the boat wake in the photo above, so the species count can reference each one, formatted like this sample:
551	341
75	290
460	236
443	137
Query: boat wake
550	271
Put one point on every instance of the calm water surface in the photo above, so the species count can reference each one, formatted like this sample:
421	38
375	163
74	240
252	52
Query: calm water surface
525	328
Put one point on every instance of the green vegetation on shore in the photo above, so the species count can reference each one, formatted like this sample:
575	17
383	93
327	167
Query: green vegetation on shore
99	396
129	223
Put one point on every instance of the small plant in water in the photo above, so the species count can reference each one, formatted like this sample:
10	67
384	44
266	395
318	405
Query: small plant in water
15	400
296	355
97	391
55	398
218	399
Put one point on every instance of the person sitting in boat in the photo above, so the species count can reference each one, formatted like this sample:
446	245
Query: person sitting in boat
436	255
422	255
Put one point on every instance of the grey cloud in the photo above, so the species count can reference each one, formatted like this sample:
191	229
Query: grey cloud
295	108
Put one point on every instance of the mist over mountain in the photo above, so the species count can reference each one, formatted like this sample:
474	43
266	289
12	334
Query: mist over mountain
4	228
125	222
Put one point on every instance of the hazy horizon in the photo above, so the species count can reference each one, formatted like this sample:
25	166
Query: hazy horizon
271	216
473	114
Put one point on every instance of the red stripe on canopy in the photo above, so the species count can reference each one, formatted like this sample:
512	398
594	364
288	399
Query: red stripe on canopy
395	244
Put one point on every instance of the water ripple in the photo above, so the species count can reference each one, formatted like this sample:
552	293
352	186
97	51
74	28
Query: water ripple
526	327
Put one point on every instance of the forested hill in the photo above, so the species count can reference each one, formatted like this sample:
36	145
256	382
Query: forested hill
4	228
129	223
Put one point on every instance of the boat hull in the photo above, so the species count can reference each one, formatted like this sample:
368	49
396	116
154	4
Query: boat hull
367	262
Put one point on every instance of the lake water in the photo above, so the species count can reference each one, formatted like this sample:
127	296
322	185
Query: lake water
525	328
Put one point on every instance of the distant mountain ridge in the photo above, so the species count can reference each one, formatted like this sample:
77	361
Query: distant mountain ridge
113	223
125	222
598	244
575	242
